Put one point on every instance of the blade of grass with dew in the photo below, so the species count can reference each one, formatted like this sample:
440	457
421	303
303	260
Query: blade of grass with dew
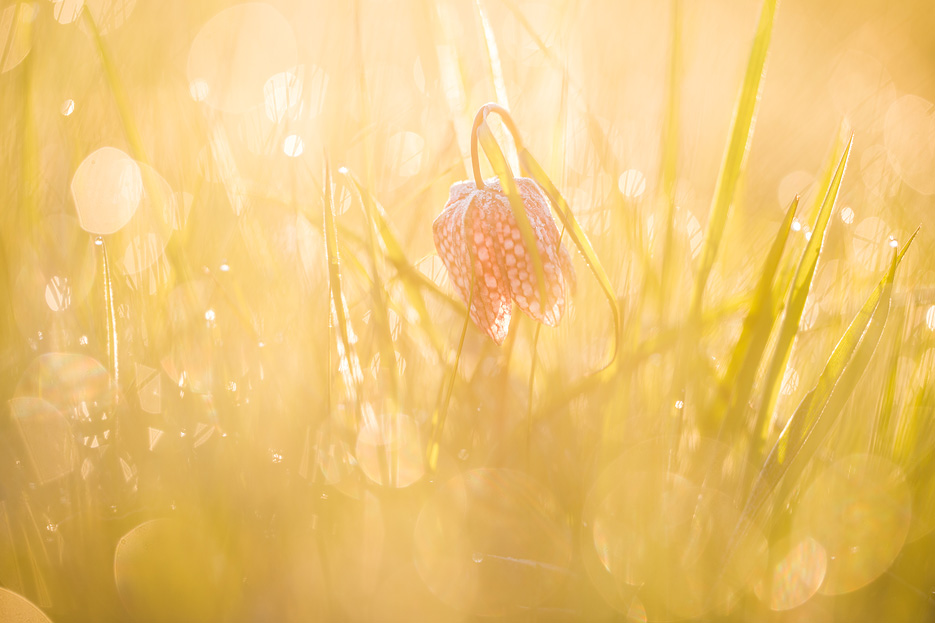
508	183
578	237
736	385
346	350
407	273
741	133
812	420
798	294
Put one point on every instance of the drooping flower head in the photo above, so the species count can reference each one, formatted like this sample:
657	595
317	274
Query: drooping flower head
480	243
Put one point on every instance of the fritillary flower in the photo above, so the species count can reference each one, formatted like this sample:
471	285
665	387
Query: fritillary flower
482	247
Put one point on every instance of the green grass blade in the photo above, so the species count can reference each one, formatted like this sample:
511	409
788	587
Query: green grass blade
812	421
116	88
738	145
379	311
798	294
737	383
508	183
441	409
346	349
496	75
578	237
395	255
880	439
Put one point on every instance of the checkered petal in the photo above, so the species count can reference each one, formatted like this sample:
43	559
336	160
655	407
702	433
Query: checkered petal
466	241
520	271
480	243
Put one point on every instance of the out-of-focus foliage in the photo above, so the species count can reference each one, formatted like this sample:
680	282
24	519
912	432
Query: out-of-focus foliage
235	383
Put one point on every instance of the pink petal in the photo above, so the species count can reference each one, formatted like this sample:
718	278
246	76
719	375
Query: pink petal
492	308
466	241
448	233
519	268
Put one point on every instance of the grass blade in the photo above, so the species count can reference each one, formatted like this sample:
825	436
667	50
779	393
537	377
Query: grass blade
441	410
738	145
380	310
798	294
737	383
508	183
669	158
578	237
812	421
394	254
496	76
349	362
880	439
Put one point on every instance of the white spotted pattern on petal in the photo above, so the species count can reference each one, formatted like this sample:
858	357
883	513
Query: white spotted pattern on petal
521	271
478	240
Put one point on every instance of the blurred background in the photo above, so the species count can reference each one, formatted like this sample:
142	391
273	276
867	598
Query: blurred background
212	411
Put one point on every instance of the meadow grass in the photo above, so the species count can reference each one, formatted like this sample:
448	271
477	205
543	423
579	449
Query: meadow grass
238	384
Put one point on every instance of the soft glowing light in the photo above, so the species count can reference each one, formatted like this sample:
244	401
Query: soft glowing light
404	149
67	11
909	136
930	318
293	146
281	95
199	89
47	435
17	608
106	188
398	438
58	294
859	509
632	183
209	315
461	545
16	33
797	568
790	382
68	107
225	267
870	234
847	215
801	183
796	225
237	51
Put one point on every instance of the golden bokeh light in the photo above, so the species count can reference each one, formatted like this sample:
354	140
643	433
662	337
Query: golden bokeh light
859	510
242	378
107	187
236	52
796	570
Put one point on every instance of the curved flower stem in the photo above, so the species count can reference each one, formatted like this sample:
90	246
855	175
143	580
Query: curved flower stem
481	117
